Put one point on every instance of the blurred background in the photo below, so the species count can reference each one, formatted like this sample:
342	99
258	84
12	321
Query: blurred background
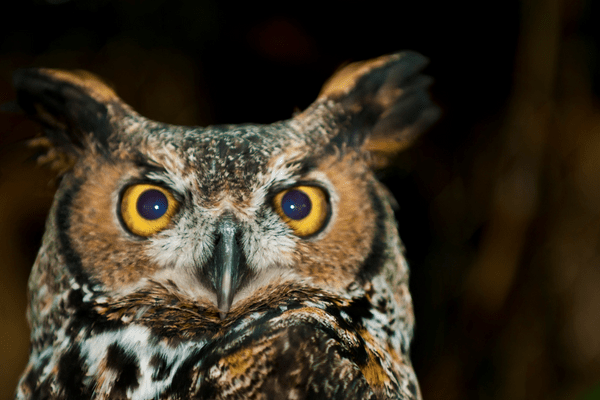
499	202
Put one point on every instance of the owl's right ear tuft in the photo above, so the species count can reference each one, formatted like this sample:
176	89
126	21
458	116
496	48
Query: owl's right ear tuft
76	109
379	105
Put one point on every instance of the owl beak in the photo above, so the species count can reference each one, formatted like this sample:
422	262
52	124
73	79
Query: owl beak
228	267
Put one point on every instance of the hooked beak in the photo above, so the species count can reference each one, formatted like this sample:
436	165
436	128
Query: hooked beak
227	269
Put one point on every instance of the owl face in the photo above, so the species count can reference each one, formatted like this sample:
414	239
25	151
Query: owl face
187	262
225	204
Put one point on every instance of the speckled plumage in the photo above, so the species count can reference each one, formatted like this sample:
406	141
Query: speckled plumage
117	316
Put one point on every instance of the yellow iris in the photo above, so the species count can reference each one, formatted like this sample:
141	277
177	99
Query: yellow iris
304	208
147	209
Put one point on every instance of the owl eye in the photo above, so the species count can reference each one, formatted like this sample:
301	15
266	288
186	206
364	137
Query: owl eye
147	209
304	208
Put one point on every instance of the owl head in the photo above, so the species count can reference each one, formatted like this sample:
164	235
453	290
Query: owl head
222	212
183	261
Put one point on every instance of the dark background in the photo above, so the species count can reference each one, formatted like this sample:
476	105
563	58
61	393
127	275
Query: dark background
499	202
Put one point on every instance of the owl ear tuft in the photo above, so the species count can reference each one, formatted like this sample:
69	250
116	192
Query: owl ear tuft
382	105
76	108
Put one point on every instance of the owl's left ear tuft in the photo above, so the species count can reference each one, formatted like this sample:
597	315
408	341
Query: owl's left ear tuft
381	105
76	109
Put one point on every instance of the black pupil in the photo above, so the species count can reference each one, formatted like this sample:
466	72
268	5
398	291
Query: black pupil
296	204
152	204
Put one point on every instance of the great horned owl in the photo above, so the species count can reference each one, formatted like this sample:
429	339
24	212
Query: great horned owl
228	262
